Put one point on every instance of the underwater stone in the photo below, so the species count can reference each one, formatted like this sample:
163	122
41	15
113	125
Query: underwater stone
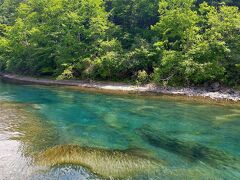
106	163
190	150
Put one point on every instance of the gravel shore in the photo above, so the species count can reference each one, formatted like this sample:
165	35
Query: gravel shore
223	94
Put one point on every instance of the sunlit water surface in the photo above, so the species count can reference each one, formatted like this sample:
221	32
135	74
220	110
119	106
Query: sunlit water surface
190	140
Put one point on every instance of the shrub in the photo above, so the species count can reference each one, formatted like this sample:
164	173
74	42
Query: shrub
142	77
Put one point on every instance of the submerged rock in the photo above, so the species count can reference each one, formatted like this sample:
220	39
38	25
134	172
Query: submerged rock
190	150
106	163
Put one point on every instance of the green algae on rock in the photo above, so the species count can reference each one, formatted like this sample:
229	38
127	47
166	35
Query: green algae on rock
107	163
46	117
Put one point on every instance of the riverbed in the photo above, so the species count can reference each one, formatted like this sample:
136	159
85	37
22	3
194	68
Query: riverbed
59	133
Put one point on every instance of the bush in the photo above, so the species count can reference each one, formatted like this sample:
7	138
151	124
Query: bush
198	73
142	77
107	66
67	74
169	71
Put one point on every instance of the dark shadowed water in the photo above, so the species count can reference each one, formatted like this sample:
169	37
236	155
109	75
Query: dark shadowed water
186	139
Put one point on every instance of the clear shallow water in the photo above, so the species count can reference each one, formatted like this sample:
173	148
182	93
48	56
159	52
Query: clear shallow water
191	140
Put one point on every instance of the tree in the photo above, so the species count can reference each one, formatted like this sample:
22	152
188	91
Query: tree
179	42
220	2
8	10
134	17
196	45
50	35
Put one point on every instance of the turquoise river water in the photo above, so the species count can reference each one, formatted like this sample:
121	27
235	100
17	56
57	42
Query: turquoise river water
184	139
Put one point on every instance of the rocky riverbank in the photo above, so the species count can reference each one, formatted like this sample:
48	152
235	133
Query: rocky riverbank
220	94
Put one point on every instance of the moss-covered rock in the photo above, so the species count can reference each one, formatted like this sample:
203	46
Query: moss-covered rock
107	163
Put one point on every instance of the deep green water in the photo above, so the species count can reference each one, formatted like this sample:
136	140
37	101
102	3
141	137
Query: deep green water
194	140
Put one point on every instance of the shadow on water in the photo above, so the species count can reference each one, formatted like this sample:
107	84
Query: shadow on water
190	150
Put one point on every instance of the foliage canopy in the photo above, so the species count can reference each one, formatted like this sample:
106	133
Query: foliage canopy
174	42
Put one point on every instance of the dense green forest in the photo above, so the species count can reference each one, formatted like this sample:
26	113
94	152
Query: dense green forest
169	42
